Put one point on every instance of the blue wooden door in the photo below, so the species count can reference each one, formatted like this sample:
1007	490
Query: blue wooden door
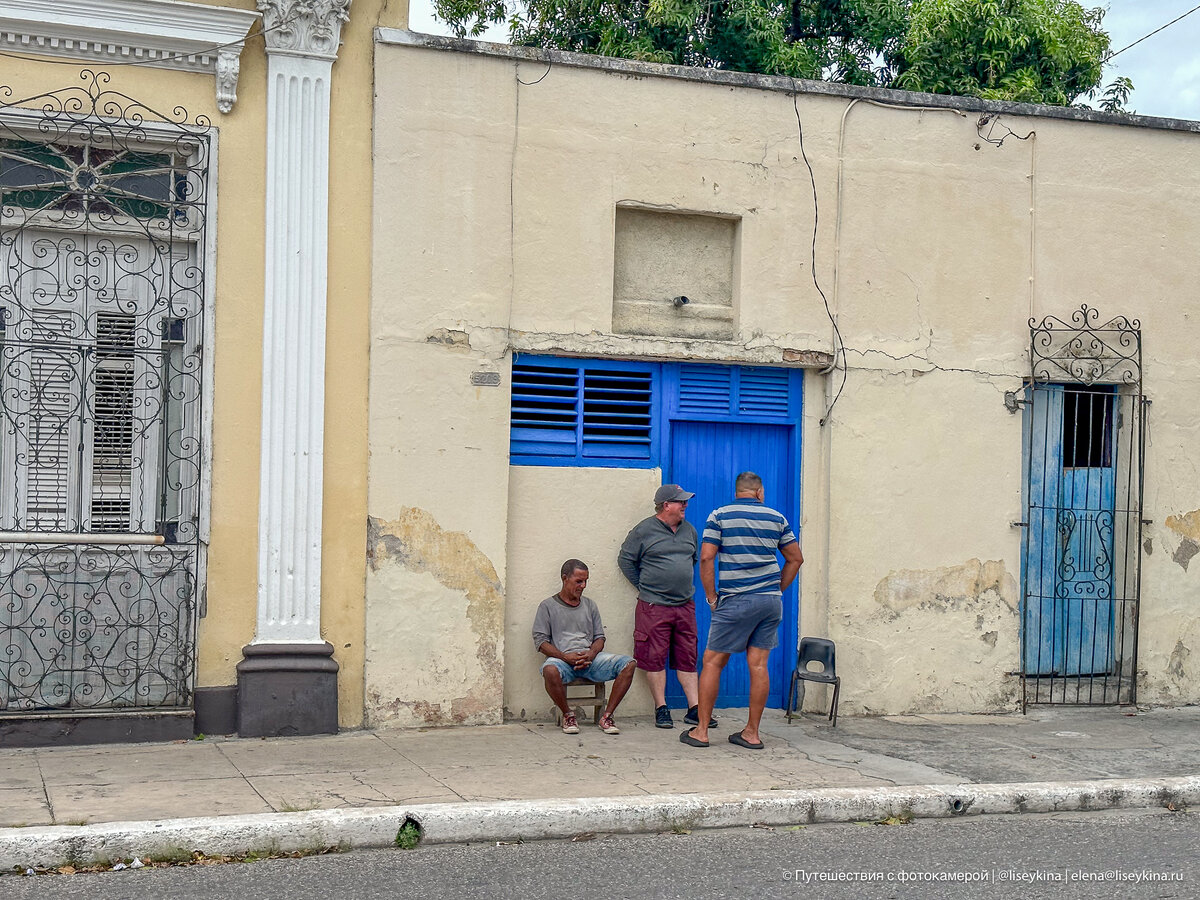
1071	485
705	459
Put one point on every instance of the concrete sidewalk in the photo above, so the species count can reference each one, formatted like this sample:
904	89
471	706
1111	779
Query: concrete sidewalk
465	770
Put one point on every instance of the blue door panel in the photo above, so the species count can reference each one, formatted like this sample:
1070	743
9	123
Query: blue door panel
705	458
1068	607
1045	472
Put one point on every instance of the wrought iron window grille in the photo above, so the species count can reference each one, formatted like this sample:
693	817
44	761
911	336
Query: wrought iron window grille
103	216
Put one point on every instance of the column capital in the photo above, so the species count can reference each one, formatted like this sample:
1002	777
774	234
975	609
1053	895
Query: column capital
304	27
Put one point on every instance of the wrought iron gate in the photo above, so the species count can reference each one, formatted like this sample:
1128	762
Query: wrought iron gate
103	210
1084	424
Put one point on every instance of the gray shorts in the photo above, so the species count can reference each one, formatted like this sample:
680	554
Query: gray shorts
745	620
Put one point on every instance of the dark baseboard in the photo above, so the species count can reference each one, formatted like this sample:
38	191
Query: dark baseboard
216	709
65	729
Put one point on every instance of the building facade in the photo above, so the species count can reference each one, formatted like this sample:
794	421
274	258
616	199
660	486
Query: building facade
324	343
175	224
953	337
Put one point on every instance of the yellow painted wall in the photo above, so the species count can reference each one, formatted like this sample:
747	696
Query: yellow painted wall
237	350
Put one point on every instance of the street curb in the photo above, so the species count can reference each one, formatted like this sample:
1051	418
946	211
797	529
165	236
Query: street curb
515	820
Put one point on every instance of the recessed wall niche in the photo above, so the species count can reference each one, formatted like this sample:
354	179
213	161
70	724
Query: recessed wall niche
673	274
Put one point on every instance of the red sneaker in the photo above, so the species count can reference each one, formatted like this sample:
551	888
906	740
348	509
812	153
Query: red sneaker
608	726
570	724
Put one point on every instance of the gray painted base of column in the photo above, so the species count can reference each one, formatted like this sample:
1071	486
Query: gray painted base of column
287	689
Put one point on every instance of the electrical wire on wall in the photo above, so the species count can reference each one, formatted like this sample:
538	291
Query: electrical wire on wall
839	347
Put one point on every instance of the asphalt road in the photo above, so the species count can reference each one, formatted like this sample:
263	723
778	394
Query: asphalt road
1068	855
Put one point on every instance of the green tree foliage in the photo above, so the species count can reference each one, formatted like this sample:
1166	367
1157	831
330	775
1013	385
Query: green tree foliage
1031	51
1037	51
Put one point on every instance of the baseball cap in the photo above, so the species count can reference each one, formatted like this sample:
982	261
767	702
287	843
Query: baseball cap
671	492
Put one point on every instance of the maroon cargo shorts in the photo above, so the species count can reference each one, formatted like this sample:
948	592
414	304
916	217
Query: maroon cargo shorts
662	632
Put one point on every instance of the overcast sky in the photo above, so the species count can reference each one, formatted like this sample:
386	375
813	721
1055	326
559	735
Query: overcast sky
1165	68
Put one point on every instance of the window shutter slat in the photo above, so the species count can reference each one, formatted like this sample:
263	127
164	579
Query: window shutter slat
705	389
764	392
54	400
113	424
544	410
582	413
616	414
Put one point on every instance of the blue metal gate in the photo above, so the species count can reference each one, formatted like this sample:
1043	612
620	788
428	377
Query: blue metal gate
1084	418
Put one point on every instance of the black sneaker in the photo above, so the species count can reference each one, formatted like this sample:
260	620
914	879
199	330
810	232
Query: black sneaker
693	717
662	718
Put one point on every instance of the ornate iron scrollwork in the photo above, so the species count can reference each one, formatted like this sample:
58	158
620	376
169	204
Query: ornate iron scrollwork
1085	351
103	217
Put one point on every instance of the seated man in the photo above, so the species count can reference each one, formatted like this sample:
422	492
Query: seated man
568	631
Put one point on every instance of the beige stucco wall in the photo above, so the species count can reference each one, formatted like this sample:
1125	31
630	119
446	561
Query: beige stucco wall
1134	251
939	249
555	514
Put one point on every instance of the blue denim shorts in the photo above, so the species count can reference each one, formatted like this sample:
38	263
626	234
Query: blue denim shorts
745	620
605	667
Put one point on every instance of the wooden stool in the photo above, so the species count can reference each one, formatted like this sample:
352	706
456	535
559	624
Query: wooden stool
595	697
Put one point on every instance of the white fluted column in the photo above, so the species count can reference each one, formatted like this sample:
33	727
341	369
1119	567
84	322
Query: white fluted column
302	38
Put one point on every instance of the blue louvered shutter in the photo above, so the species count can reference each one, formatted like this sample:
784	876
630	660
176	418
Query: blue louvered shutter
545	410
617	414
764	392
582	412
705	390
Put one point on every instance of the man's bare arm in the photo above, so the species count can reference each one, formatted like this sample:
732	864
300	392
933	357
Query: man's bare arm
708	572
793	559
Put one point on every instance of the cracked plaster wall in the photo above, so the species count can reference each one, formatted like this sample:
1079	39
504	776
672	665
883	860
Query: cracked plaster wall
947	246
921	624
1133	253
437	495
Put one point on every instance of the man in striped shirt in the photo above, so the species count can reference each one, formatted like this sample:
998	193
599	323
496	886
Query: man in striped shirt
742	537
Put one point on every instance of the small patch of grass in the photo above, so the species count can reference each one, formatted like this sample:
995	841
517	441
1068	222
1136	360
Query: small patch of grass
302	806
409	834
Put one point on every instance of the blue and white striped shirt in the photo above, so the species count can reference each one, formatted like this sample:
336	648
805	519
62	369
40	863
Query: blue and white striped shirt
747	535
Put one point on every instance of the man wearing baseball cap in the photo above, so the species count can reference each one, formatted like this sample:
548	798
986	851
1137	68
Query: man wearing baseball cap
658	557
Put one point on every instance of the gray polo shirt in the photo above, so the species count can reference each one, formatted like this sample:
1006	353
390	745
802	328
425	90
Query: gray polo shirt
569	628
659	562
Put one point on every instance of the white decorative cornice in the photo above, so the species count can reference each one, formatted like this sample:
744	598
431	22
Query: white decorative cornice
304	27
172	35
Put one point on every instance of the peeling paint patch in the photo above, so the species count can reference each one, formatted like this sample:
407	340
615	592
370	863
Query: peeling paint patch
1178	657
950	588
935	640
1186	525
1185	551
451	337
415	541
1148	546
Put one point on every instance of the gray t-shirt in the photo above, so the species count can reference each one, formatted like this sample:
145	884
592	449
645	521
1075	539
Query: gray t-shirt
660	562
569	628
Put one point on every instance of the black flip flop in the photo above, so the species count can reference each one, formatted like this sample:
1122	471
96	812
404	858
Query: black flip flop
736	738
685	737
